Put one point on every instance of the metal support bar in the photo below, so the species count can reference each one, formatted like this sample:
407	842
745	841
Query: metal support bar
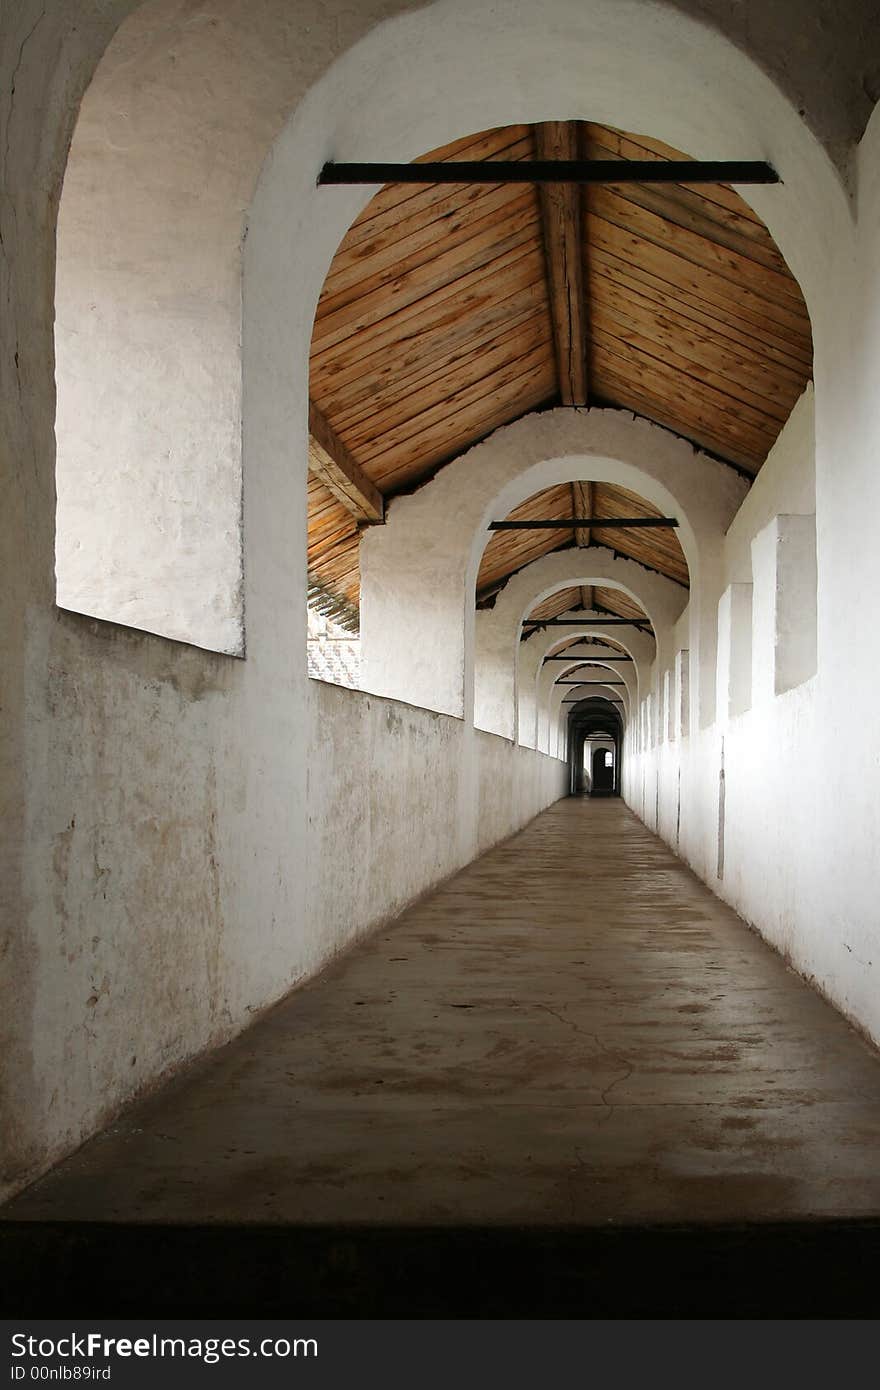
593	666
566	522
562	656
554	171
586	622
574	700
589	682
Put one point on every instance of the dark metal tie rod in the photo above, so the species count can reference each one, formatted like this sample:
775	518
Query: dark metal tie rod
589	682
554	171
562	657
586	622
593	667
562	523
576	700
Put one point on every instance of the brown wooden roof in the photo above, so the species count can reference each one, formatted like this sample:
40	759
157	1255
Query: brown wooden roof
611	601
436	325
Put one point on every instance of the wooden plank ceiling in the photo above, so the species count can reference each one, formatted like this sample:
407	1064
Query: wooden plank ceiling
449	310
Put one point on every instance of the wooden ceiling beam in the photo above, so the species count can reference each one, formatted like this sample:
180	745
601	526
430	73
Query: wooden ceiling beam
561	222
582	494
333	464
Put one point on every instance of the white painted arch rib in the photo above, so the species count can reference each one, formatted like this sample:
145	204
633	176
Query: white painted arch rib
497	645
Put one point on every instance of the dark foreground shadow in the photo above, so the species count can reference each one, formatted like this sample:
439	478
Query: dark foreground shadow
815	1269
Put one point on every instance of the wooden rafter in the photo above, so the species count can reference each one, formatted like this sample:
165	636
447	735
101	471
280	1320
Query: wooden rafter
582	500
563	249
436	326
562	229
333	464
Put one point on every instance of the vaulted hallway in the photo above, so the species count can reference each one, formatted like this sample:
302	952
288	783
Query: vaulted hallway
421	419
572	1031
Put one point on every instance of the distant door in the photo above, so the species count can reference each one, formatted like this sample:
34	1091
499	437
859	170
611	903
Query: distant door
603	770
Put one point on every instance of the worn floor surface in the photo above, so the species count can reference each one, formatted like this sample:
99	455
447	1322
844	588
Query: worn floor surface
572	1031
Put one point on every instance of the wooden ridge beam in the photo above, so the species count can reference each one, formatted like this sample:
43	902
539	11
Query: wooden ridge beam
563	252
582	496
551	171
333	464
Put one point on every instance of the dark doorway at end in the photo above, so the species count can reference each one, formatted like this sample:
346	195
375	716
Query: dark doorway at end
595	718
603	772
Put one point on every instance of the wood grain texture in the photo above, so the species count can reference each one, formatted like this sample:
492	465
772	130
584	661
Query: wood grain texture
450	310
332	463
582	501
563	253
510	550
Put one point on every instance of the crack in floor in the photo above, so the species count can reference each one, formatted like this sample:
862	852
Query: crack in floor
624	1075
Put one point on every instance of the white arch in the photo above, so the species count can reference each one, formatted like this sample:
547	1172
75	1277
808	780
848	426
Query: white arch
541	683
144	172
594	675
530	701
533	650
559	711
590	691
448	69
424	79
498	629
430	548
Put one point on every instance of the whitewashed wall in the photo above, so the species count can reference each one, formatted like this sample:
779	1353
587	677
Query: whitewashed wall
398	799
154	799
765	837
174	909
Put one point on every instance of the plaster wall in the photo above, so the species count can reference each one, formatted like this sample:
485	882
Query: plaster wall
155	825
789	485
389	787
169	143
160	940
734	685
745	799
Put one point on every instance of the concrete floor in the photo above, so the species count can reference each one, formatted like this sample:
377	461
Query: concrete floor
572	1031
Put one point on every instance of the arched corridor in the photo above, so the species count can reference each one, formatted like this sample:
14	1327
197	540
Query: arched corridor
439	539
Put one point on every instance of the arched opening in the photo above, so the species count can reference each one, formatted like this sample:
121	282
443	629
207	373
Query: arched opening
647	605
595	731
404	401
624	526
403	387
